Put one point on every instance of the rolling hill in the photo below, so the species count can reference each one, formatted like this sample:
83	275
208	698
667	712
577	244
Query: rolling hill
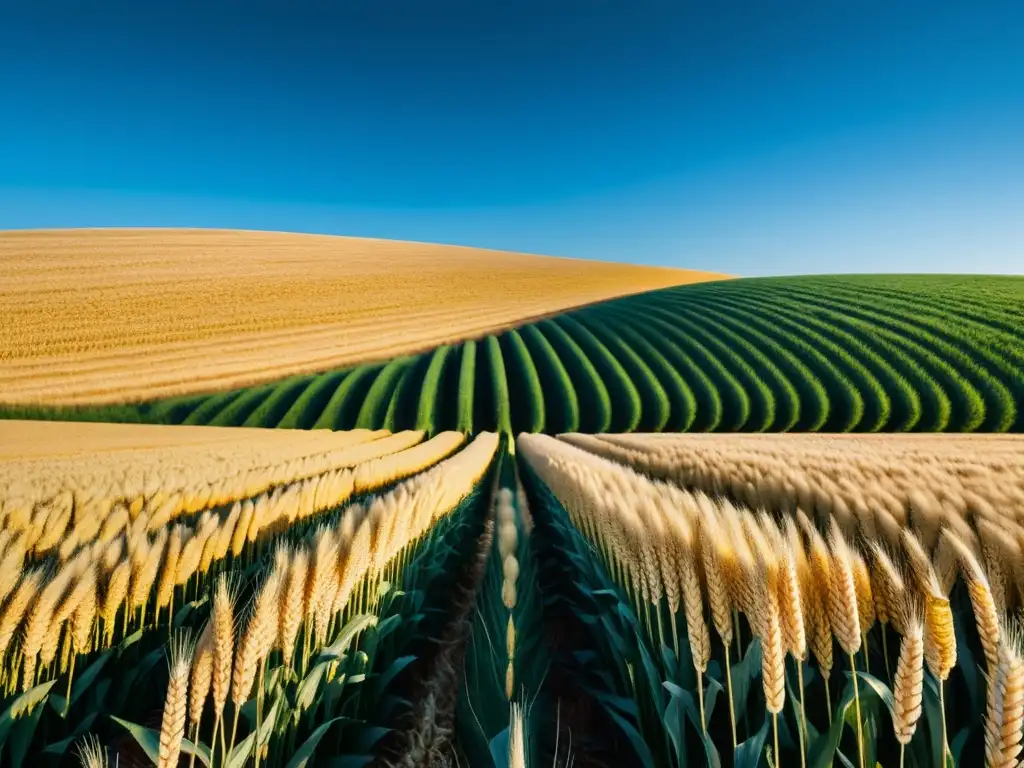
120	315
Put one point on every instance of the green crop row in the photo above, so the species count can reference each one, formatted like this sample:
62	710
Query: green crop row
838	354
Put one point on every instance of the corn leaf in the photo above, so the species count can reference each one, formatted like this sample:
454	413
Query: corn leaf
824	749
21	705
60	747
337	649
303	754
748	754
149	741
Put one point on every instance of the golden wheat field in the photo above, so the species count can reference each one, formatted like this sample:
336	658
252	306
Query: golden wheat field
101	316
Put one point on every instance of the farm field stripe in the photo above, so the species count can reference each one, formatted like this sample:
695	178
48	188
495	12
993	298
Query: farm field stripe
655	405
344	403
467	388
524	384
211	407
561	412
430	394
378	397
499	386
313	401
622	392
848	398
735	399
777	387
762	403
394	419
933	406
930	318
595	402
172	411
811	393
953	297
958	371
904	405
982	356
273	409
682	404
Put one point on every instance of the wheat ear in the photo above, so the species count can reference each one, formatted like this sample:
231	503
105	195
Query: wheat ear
172	727
223	621
908	685
1005	709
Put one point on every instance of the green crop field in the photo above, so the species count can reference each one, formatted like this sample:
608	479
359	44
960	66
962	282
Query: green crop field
896	353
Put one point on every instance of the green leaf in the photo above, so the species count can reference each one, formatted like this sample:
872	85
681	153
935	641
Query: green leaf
241	752
933	716
499	749
129	641
823	749
21	705
149	741
305	695
643	752
21	736
60	747
85	680
393	671
748	754
957	745
880	689
692	709
370	736
303	754
869	706
743	676
337	649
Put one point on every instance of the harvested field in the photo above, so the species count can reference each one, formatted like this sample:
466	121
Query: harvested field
103	316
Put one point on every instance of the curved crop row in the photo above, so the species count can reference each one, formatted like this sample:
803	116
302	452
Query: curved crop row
892	353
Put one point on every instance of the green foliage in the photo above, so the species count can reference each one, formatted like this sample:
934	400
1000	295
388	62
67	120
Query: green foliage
467	388
561	403
343	408
595	402
375	404
498	385
270	412
623	395
527	394
652	400
430	392
312	401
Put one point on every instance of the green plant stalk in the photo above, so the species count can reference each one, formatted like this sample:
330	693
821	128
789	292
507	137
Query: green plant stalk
700	699
259	710
775	735
732	705
195	740
71	675
885	654
802	727
942	708
828	700
856	701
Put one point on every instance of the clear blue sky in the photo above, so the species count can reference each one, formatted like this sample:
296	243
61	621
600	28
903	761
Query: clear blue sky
747	137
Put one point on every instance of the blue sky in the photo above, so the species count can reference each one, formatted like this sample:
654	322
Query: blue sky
746	137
